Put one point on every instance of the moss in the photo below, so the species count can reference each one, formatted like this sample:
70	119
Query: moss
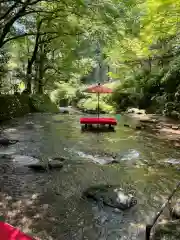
42	103
13	106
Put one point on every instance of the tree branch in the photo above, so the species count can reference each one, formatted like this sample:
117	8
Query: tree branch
42	34
9	10
25	35
9	24
22	12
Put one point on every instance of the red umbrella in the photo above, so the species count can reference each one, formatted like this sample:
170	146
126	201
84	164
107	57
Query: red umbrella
98	89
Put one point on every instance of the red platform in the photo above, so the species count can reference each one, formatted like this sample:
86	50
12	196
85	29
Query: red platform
101	121
8	232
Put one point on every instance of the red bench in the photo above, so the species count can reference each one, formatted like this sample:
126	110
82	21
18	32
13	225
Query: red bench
8	232
101	121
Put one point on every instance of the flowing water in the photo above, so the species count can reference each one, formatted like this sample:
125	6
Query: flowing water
50	205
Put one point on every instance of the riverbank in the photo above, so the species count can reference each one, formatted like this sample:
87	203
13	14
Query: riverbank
12	106
158	126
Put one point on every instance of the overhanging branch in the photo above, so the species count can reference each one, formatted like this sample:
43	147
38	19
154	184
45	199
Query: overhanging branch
42	34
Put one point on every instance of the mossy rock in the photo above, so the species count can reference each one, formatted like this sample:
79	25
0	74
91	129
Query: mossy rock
13	106
42	103
112	196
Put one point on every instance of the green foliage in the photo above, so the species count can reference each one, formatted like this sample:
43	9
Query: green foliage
65	94
17	105
58	44
90	105
124	100
4	58
13	106
42	103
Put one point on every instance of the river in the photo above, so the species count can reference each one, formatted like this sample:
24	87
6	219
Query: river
49	205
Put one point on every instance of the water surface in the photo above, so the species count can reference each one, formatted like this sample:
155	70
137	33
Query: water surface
49	205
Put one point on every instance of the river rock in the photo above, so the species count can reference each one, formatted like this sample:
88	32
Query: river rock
172	161
175	127
112	196
64	110
136	111
54	164
46	166
167	230
139	127
148	120
60	159
126	125
6	141
175	211
36	164
131	154
24	160
58	121
103	160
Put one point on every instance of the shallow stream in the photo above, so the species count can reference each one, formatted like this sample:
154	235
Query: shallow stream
49	205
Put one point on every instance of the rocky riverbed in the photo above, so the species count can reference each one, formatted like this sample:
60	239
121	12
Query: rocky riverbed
51	204
160	127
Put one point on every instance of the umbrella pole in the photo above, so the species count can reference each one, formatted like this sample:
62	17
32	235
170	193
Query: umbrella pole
98	105
98	110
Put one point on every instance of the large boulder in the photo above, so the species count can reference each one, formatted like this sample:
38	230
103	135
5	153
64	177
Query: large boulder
167	230
112	196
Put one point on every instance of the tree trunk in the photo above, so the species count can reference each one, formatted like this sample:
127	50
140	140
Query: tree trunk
41	69
28	77
40	87
41	73
32	60
108	70
149	62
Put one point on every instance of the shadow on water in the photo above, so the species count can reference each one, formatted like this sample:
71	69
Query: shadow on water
50	205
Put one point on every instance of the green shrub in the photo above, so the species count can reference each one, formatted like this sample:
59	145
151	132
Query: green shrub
42	103
123	100
91	104
13	106
64	95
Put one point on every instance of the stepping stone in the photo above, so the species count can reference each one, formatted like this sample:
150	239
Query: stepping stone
112	196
